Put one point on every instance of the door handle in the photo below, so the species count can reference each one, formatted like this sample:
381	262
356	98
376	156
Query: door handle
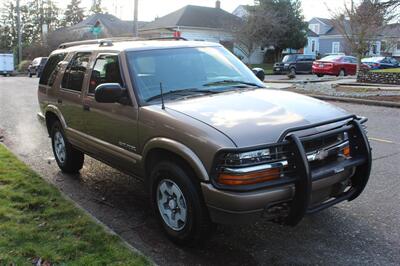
86	107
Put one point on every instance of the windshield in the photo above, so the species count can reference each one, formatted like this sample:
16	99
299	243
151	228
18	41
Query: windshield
331	58
372	59
289	58
190	69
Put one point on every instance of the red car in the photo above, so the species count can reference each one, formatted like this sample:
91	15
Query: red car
336	65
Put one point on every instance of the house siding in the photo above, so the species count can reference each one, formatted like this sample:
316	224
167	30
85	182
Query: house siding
325	45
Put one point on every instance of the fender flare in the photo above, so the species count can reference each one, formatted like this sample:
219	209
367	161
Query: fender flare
53	109
179	149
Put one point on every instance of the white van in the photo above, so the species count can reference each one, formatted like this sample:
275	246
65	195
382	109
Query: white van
6	64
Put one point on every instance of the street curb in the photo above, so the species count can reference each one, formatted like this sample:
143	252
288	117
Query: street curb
106	228
355	100
299	81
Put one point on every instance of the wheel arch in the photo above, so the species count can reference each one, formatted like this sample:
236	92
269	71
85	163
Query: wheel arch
52	114
163	147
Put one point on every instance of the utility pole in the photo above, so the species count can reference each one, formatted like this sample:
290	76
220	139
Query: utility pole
19	33
135	19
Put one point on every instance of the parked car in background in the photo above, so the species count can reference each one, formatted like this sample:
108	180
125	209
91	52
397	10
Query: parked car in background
6	64
335	65
294	63
380	62
36	67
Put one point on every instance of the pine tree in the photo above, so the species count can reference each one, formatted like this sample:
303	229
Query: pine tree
96	8
73	14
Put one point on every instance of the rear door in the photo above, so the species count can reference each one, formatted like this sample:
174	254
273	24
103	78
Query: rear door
69	98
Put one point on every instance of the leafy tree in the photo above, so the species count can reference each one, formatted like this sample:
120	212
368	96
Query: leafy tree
73	14
361	23
96	8
277	23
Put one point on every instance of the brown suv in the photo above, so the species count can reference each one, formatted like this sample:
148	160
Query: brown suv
211	142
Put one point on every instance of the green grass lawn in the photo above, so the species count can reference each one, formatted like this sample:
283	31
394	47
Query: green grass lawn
37	222
268	68
390	70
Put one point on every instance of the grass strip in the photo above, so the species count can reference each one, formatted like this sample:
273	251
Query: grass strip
37	223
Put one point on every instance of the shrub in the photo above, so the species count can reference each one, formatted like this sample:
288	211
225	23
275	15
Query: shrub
23	66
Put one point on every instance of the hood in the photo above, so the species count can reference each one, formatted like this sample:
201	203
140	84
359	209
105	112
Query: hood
258	116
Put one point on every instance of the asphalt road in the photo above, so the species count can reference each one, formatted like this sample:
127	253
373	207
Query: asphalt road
365	231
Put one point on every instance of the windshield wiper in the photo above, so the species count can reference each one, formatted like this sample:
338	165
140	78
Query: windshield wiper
231	81
181	91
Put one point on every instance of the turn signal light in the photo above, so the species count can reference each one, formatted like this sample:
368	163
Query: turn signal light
346	151
249	178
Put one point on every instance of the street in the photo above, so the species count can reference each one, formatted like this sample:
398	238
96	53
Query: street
364	231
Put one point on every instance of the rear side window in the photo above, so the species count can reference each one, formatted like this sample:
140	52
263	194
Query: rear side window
50	70
75	72
105	70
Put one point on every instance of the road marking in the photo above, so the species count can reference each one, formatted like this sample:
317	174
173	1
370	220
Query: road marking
382	140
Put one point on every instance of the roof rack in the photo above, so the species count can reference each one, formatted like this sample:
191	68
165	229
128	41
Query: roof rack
100	42
110	41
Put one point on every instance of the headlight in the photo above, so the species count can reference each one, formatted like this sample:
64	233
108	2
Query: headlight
286	65
251	167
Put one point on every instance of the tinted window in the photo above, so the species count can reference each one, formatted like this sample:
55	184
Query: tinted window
105	70
51	69
289	58
75	72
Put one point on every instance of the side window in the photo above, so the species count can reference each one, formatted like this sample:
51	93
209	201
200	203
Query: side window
75	72
105	70
50	70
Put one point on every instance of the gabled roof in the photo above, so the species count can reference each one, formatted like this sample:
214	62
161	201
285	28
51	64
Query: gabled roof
197	17
112	24
310	33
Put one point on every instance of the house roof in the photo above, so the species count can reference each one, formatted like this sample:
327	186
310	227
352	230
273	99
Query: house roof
310	33
196	16
392	30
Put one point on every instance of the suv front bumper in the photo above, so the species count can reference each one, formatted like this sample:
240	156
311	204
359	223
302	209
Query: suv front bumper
311	191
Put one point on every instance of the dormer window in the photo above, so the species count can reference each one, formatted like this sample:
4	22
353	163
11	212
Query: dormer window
315	28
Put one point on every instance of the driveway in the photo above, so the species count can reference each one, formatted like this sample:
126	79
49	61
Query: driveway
365	231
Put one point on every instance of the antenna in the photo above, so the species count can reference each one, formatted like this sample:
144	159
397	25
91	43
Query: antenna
162	96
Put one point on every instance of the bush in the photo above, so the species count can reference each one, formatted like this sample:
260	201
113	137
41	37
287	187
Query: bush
23	66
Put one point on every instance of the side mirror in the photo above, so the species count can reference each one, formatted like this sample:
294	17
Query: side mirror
259	72
110	93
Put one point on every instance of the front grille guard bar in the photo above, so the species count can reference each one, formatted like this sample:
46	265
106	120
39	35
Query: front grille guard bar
300	205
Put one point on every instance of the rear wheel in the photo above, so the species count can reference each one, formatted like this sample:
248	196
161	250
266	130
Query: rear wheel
69	159
342	73
178	203
320	75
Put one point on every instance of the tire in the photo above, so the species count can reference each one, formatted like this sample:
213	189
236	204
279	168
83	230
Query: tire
292	71
342	73
320	75
173	186
30	74
69	159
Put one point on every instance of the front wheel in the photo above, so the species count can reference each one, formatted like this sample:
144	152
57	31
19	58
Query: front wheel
320	75
178	203
69	159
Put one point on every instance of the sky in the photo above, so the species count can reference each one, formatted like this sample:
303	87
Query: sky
150	9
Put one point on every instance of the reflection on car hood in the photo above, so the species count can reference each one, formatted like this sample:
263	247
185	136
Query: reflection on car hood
257	116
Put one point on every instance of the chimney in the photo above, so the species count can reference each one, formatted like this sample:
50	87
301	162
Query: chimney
218	4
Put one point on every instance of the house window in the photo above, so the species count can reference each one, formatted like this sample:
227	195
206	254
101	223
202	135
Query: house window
314	27
313	46
335	47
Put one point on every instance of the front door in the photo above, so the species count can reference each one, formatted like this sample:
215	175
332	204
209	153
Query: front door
111	126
